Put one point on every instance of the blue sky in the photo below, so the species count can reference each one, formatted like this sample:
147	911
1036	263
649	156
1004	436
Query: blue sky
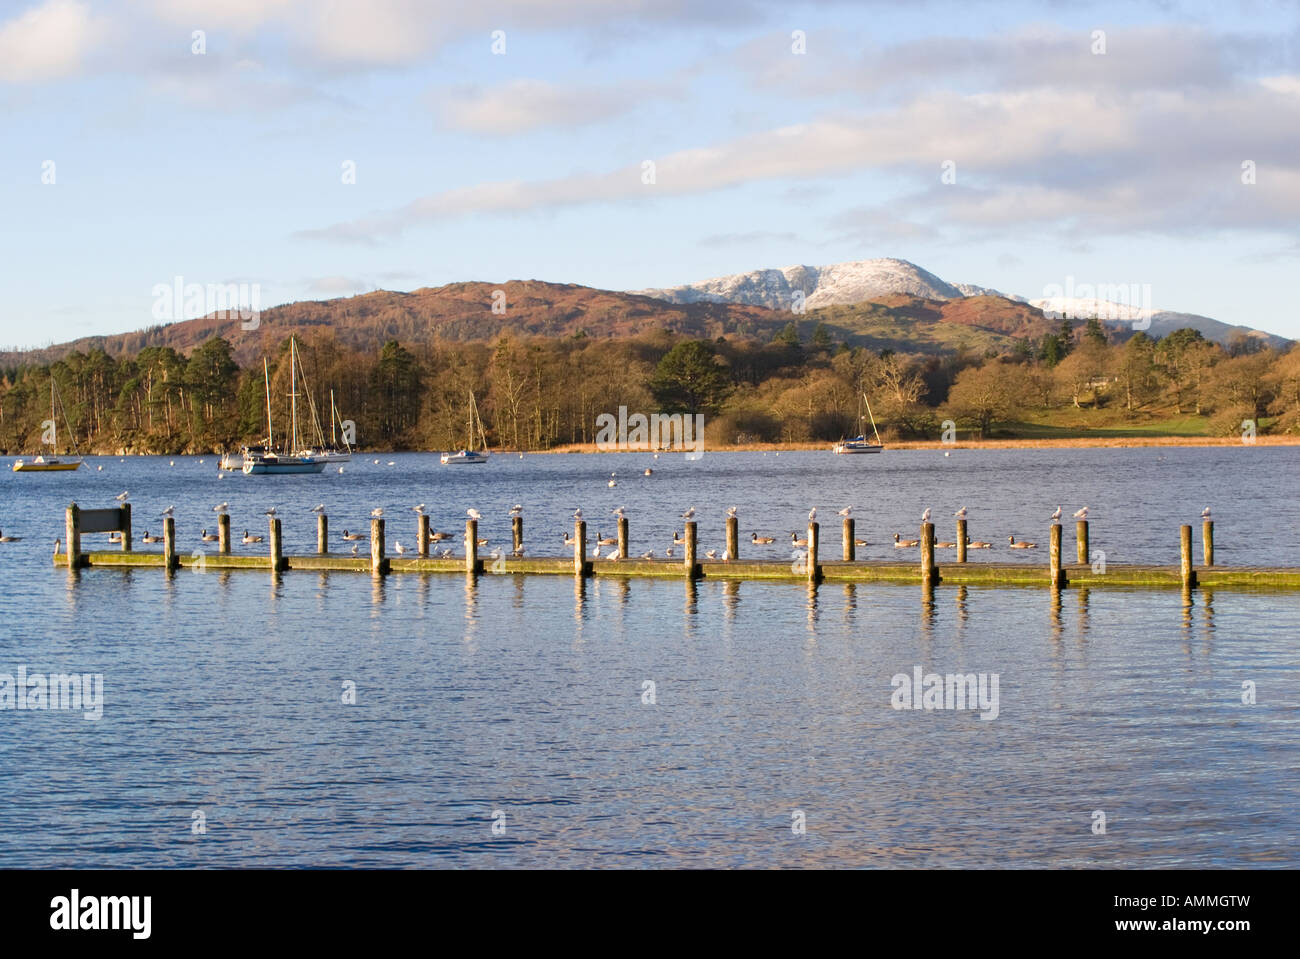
227	166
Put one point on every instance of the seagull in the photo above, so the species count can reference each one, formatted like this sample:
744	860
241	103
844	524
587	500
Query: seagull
517	552
378	511
318	508
168	511
221	507
961	513
846	512
1081	514
516	510
1205	513
577	514
620	512
711	553
271	511
595	551
418	510
812	515
446	554
354	549
472	513
689	514
399	547
1057	514
925	517
731	512
669	552
122	496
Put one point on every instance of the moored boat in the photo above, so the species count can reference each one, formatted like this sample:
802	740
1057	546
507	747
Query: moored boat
860	443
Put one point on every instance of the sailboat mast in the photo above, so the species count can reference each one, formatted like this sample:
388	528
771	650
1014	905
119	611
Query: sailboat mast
270	430
293	394
875	432
333	416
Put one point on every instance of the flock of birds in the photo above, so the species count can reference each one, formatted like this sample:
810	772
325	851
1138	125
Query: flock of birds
601	540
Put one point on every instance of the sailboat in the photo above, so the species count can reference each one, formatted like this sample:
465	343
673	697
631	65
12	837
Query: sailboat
261	460
469	455
51	464
860	443
329	452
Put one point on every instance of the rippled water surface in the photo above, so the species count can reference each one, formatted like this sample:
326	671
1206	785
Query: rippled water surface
526	696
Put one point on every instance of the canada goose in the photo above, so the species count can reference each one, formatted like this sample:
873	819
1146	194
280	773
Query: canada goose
606	540
221	508
905	543
472	513
115	537
978	544
208	537
1022	544
689	514
568	540
251	539
353	537
945	545
649	472
482	541
611	484
860	542
146	538
677	538
1081	514
796	541
1057	515
10	539
439	537
761	540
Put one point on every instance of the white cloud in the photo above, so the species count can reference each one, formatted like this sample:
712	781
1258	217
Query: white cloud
523	105
46	42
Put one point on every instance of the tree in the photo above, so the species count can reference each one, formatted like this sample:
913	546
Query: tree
983	395
690	379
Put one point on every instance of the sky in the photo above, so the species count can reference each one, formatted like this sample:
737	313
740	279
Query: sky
319	148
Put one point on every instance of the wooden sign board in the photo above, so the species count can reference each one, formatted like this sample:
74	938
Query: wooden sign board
101	520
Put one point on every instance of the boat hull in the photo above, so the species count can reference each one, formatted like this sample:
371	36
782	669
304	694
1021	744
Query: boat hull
265	466
48	466
853	448
463	458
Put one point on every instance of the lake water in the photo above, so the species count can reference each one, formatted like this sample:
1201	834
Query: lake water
524	702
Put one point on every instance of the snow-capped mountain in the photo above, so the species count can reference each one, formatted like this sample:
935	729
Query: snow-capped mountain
859	280
838	283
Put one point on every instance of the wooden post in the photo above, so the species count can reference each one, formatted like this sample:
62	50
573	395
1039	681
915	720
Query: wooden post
517	532
378	563
169	543
814	571
73	533
1185	549
126	527
928	570
422	535
733	538
322	534
471	546
277	546
961	541
1207	541
850	553
622	537
1057	576
1081	541
223	533
579	548
688	551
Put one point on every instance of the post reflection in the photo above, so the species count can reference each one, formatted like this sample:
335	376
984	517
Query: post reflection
692	605
813	611
730	599
850	601
1207	612
962	613
378	593
1058	628
471	607
579	603
927	609
1085	595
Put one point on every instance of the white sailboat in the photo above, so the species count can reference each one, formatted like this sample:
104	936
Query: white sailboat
468	455
860	443
262	460
51	464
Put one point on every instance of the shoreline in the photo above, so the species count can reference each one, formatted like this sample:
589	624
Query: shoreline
1077	442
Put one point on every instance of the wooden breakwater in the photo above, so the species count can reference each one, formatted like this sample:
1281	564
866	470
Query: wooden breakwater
805	564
